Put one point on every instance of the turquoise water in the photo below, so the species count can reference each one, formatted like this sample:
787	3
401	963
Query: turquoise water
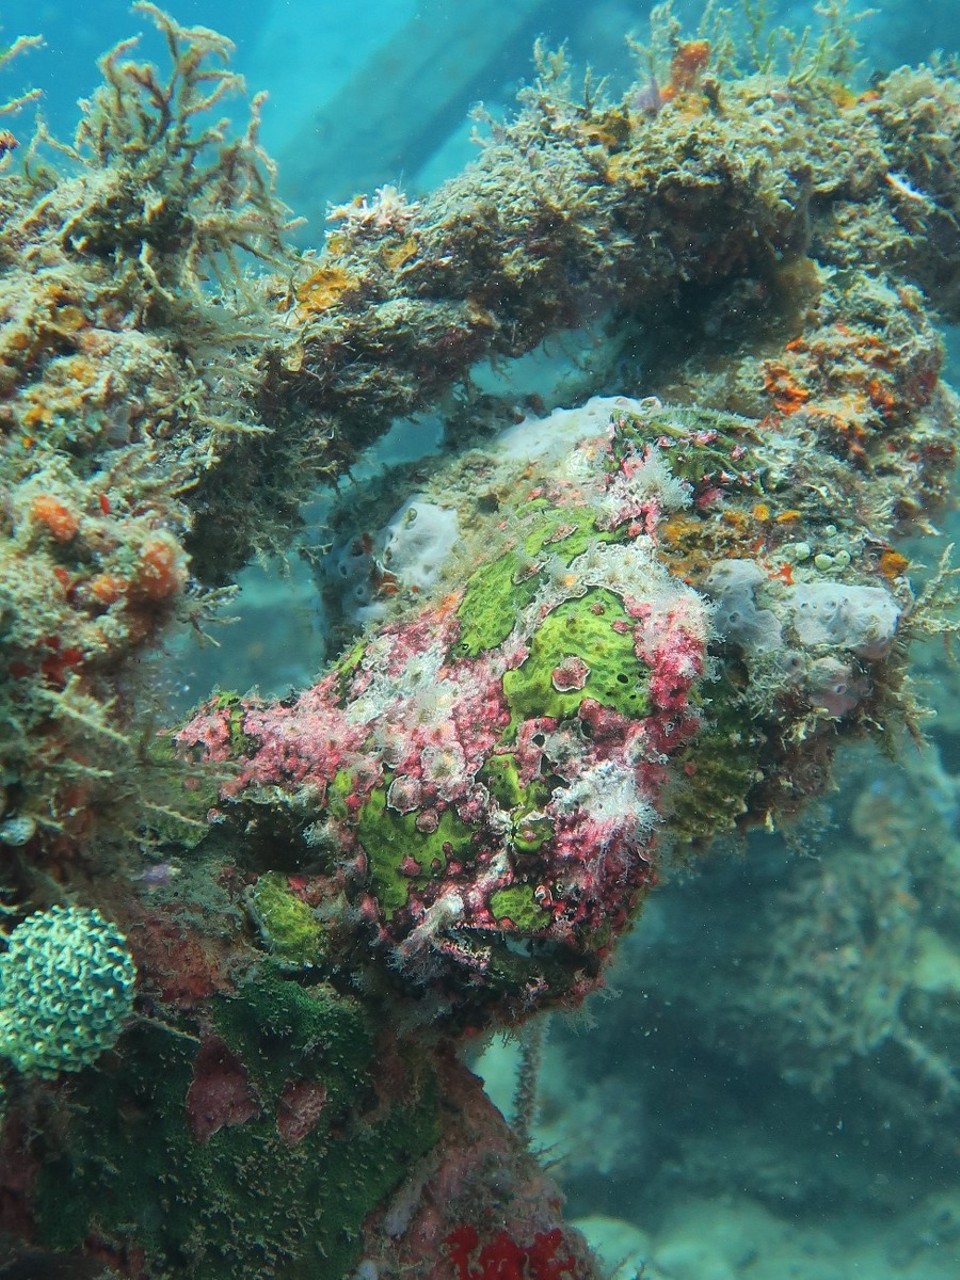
771	1088
306	54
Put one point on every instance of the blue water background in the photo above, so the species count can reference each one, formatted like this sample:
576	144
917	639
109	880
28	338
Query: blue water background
304	51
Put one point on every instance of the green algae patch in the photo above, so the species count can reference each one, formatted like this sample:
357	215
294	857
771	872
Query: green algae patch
565	533
241	743
494	595
524	802
338	792
501	776
704	444
392	839
497	592
180	796
579	645
530	831
300	1031
243	1199
287	925
518	905
348	664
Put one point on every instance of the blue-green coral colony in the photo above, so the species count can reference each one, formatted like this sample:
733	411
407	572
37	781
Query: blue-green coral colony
67	984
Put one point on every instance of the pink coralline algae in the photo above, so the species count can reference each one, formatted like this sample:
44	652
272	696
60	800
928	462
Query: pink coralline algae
299	1109
480	783
570	674
220	1093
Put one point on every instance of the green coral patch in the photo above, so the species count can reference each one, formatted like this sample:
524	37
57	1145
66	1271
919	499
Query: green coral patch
390	839
494	595
579	631
67	985
566	533
518	905
288	927
524	803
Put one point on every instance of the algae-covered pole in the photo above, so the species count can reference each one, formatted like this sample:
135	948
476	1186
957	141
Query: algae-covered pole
576	209
127	341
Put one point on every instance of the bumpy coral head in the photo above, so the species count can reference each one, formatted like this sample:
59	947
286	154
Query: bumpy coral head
491	770
508	831
67	984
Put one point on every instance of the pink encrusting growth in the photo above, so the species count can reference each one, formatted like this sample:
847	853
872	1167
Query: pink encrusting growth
488	774
671	642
